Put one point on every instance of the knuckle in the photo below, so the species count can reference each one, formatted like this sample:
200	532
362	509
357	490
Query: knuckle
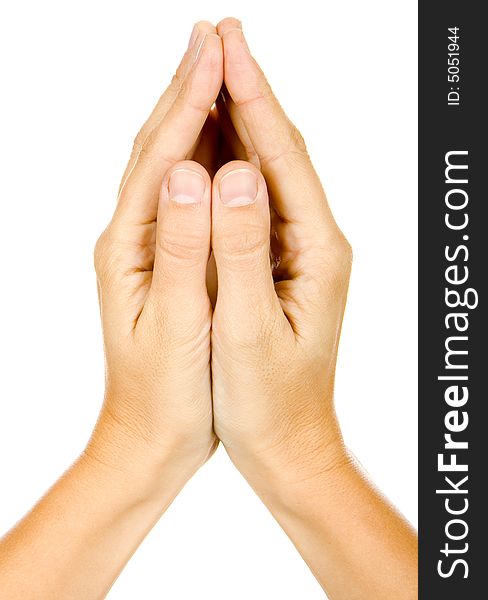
333	267
260	91
138	142
107	255
343	253
176	81
246	246
338	266
105	258
100	252
297	140
144	145
336	253
187	247
187	98
152	147
146	142
294	153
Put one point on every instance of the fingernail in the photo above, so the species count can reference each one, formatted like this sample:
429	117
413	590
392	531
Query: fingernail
186	187
238	188
193	36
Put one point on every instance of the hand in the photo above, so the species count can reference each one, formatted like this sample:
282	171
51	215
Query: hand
274	335
275	332
151	263
155	426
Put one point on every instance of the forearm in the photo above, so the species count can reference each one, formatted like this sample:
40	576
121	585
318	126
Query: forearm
76	540
356	544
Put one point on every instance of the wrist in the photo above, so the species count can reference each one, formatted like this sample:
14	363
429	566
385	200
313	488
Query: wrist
286	474
150	469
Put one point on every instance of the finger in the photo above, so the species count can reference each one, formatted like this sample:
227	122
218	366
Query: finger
167	99
182	237
240	242
293	184
174	136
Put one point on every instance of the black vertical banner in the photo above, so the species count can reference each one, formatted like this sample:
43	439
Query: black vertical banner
453	269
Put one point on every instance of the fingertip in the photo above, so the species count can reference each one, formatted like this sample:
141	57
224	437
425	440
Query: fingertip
233	38
235	46
227	24
208	72
198	33
243	77
206	26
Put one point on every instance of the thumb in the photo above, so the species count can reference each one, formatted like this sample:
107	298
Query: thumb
241	244
182	237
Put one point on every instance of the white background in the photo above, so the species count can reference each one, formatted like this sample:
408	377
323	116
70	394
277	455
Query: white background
78	80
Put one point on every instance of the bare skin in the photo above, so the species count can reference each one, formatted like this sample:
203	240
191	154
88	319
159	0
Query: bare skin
250	364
